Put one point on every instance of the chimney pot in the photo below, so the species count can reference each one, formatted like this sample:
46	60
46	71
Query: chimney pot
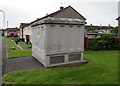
61	8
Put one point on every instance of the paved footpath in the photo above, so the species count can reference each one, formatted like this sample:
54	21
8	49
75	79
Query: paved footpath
17	63
14	64
21	63
3	54
0	61
24	48
2	57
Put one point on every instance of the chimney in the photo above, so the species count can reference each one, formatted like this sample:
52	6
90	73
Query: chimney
91	26
47	14
61	8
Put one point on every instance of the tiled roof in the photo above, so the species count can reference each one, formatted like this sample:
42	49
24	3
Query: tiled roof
55	13
23	25
118	18
13	29
97	27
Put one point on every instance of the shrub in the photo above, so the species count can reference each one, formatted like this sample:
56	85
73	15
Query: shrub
106	42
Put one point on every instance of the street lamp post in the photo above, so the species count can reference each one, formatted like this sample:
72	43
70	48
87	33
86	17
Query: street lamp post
3	17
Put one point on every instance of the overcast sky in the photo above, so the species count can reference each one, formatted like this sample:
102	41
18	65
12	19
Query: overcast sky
96	12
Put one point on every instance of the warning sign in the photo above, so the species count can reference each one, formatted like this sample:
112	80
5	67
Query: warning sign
38	33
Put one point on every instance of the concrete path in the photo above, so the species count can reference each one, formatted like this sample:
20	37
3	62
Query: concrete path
24	48
4	53
3	56
21	63
0	61
15	64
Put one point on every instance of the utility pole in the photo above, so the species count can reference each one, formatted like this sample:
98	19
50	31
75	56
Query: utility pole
7	24
3	17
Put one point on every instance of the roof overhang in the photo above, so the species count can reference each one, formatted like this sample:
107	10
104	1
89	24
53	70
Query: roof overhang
65	21
118	18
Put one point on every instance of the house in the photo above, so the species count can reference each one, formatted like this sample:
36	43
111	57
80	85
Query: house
58	38
103	29
8	30
118	28
27	33
12	34
21	28
92	35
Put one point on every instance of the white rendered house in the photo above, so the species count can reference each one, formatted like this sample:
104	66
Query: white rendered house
27	33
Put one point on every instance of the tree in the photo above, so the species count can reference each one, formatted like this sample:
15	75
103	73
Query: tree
114	31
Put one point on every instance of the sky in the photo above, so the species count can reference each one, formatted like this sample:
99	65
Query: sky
97	12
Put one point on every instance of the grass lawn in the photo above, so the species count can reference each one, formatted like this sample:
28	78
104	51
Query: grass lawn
18	51
101	69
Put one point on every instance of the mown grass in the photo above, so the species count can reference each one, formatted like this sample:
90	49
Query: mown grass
18	51
101	69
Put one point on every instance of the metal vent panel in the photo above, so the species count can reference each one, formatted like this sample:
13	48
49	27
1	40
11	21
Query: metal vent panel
56	59
74	56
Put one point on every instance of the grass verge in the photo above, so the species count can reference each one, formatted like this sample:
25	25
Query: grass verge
18	51
101	69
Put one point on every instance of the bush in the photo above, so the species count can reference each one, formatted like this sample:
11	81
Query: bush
92	46
106	42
